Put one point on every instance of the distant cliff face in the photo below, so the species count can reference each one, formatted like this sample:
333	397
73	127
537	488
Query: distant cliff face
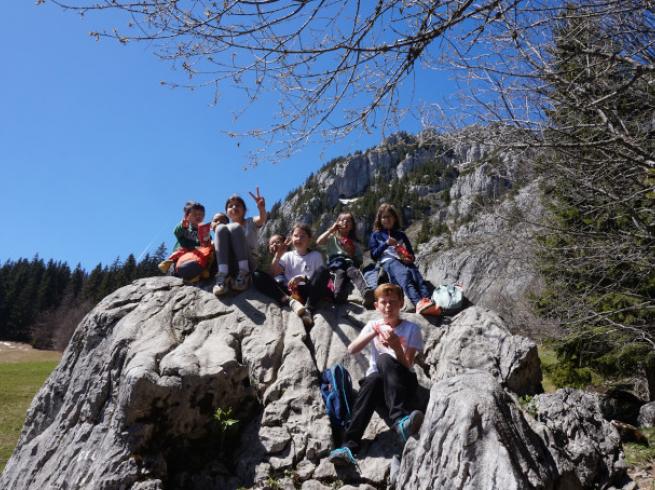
132	404
471	206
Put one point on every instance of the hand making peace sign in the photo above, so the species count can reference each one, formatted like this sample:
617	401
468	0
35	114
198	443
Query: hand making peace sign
259	199
261	206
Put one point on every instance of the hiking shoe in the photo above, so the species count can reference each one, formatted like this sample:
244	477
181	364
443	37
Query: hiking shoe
369	299
242	281
165	265
409	425
423	305
297	307
342	457
221	287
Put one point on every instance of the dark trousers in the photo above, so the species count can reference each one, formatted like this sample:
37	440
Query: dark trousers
266	284
345	271
408	278
390	392
316	289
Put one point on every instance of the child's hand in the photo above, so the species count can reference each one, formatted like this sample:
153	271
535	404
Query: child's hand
392	340
392	241
334	228
259	199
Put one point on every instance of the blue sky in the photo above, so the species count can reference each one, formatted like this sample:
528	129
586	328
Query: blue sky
98	158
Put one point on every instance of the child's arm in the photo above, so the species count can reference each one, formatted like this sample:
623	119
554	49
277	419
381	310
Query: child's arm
408	245
325	235
405	355
361	341
377	245
180	233
276	268
261	206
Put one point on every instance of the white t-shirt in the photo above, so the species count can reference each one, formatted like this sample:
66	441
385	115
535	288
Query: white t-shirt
410	336
295	264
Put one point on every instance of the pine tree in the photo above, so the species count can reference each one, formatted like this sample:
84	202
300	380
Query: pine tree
599	260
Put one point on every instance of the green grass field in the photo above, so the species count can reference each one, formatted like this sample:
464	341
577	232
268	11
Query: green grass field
21	376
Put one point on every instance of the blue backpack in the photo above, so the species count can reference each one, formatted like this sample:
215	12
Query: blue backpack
337	393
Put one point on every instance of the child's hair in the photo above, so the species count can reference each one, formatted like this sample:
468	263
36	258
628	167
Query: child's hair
388	288
277	235
353	231
237	198
193	206
386	208
304	227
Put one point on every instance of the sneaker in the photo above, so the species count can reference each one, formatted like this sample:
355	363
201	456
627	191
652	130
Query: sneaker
409	425
165	265
221	287
369	299
242	281
423	305
342	457
297	307
307	319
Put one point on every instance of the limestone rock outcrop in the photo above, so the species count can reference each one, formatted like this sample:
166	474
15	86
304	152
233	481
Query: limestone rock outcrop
133	403
647	415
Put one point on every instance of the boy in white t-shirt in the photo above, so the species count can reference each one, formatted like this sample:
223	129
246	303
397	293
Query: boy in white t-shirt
390	384
306	275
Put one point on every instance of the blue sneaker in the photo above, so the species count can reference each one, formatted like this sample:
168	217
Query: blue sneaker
409	425
342	457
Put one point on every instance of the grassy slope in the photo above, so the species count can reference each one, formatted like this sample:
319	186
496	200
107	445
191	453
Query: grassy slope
21	375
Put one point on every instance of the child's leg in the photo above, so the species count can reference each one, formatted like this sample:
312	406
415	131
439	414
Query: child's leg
317	287
399	386
355	275
239	246
423	288
265	284
371	394
340	285
222	246
402	275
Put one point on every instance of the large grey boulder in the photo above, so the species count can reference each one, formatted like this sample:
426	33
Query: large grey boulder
474	436
132	404
133	398
478	340
585	446
647	415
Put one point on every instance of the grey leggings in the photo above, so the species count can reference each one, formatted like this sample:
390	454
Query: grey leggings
230	244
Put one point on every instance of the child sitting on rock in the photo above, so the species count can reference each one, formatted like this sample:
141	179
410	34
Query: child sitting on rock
345	258
304	271
275	287
391	247
390	384
236	244
192	252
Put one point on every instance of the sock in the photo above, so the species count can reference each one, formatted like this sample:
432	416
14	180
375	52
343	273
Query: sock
243	266
223	268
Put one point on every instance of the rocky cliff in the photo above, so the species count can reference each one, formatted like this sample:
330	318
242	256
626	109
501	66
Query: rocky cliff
133	404
472	205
